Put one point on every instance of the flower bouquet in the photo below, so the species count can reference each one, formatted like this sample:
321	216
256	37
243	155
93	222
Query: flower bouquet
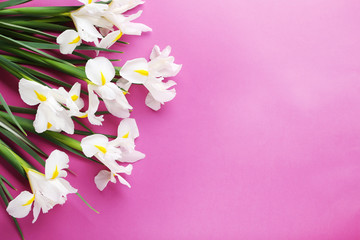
34	40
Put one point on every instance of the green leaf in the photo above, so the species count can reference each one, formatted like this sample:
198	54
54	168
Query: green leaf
51	79
59	139
5	189
59	66
15	160
27	46
8	127
42	26
20	110
39	11
79	132
11	3
25	147
7	182
22	36
56	46
83	125
86	202
17	71
3	102
24	29
6	201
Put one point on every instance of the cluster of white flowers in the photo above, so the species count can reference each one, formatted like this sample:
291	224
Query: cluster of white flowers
51	113
48	189
95	23
121	149
57	106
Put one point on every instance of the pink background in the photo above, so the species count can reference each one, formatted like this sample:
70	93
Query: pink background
261	142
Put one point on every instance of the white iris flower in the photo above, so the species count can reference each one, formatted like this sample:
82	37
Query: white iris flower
48	189
121	149
151	74
100	72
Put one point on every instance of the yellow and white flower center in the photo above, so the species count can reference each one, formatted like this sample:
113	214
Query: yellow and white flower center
142	72
101	148
126	135
103	80
40	96
117	37
84	116
30	201
55	173
74	97
76	40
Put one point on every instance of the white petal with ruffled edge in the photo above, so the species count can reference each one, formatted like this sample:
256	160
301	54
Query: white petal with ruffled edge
103	178
152	103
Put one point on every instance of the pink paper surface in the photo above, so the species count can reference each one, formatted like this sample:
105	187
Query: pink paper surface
261	142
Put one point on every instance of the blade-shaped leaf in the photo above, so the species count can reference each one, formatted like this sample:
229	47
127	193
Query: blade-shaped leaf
11	3
42	26
39	11
17	71
6	201
56	46
25	45
24	29
3	102
25	147
87	204
6	125
7	182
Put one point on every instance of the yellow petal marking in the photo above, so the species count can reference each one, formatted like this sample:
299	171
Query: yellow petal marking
103	80
142	72
74	97
101	148
49	125
41	97
76	40
118	37
55	173
126	135
90	1
84	116
30	201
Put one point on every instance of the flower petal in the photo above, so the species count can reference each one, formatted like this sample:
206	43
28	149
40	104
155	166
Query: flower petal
152	103
128	129
99	70
55	164
89	143
93	107
102	179
68	41
20	206
132	156
135	71
159	90
32	93
110	39
124	84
